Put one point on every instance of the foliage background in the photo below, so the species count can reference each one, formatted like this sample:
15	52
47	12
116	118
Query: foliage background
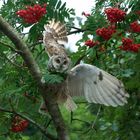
18	90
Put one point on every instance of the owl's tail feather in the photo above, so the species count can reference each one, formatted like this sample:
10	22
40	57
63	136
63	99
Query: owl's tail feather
70	104
59	31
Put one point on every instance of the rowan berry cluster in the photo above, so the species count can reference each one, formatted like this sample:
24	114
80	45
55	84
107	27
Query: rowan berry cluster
91	43
135	27
106	33
128	45
19	124
32	14
115	15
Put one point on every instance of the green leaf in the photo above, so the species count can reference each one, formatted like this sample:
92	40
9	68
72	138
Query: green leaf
63	6
58	4
53	78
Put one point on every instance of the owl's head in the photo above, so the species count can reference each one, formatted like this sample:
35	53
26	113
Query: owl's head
59	63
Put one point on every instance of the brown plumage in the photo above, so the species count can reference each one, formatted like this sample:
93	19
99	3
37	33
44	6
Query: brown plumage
96	85
54	38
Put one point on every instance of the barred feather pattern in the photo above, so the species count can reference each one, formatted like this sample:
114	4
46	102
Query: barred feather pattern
57	30
96	85
55	38
60	32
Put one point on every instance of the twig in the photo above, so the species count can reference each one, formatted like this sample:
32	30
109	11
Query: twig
93	124
12	49
43	130
48	123
84	102
97	56
72	27
23	33
75	32
75	119
79	60
71	116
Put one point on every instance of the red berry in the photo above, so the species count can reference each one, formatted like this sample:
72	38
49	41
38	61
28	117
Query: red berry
19	124
106	33
15	129
91	43
127	41
135	48
24	124
135	27
115	15
127	45
32	14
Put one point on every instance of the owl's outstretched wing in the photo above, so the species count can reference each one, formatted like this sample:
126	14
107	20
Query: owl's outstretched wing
57	31
96	85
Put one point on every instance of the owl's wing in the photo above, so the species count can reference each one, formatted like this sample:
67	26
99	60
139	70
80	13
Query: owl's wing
96	85
57	30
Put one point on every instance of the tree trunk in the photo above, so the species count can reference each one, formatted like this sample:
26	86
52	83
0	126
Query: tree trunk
36	74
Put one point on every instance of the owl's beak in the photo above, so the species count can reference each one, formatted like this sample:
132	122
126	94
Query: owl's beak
61	66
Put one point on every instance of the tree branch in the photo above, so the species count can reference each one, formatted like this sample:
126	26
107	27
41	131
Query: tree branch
76	31
43	130
21	46
54	111
12	49
72	27
46	90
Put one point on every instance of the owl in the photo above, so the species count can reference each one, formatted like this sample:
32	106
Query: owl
91	82
55	38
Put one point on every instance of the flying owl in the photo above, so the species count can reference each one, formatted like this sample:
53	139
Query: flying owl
96	85
54	39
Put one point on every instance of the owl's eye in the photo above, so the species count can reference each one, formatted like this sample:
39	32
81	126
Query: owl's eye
57	60
65	62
